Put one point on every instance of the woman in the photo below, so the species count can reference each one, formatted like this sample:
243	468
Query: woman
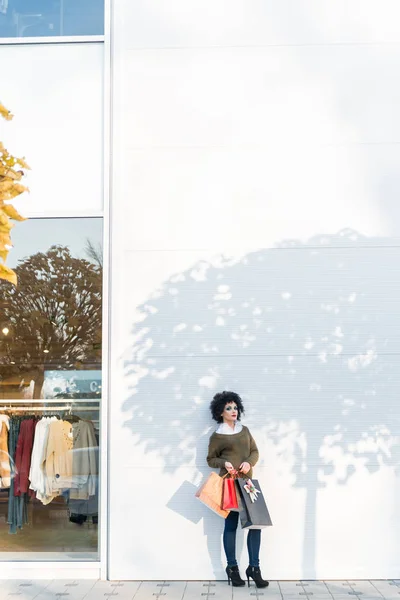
233	450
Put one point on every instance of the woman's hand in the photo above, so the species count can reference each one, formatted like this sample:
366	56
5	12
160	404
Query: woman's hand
245	467
230	468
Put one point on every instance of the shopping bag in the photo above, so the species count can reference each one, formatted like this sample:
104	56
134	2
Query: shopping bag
229	497
253	511
210	494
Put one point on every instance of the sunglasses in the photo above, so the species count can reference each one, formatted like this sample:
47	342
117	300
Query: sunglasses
229	408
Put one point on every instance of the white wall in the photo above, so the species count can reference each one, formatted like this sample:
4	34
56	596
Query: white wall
256	247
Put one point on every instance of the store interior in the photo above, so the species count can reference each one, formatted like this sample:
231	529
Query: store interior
50	396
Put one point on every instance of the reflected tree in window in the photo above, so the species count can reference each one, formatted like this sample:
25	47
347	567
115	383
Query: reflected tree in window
53	317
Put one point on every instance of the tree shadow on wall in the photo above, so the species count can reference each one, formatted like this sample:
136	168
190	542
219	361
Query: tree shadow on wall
305	331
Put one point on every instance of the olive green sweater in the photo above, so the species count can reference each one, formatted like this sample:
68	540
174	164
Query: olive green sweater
236	449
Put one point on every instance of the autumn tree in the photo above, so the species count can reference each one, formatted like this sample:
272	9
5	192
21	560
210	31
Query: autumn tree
53	316
11	174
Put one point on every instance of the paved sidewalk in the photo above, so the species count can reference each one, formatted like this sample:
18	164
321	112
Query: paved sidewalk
197	590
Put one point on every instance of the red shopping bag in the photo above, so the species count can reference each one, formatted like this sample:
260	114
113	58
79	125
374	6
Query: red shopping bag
229	497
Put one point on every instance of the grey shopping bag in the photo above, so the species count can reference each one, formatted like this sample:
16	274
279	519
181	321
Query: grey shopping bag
253	511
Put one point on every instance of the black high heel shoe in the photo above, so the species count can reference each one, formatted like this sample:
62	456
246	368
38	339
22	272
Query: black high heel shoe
234	576
255	574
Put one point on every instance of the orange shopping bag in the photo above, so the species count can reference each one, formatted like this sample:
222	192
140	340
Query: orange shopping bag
210	494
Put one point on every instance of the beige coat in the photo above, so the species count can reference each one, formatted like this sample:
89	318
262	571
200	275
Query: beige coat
5	475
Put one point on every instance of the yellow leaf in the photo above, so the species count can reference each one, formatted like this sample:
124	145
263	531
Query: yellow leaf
13	213
6	228
6	114
5	223
22	162
11	173
12	169
8	274
5	241
16	190
6	184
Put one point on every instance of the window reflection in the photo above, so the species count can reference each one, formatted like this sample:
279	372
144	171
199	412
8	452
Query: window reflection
43	18
51	320
50	384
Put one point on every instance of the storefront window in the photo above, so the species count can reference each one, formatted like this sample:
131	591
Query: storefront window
50	391
62	113
43	18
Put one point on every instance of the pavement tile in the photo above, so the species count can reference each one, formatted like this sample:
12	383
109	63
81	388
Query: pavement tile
197	590
217	590
315	588
22	588
173	590
42	596
384	583
365	586
314	591
118	590
339	588
194	592
367	591
273	589
12	584
342	594
364	597
253	593
317	596
387	589
71	590
243	592
47	595
292	588
146	586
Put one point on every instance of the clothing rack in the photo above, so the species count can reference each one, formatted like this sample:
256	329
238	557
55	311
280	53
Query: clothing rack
54	406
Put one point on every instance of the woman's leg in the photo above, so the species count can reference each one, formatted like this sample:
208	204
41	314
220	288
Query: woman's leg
229	538
253	546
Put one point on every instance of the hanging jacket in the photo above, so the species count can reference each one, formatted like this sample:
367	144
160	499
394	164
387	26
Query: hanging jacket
5	471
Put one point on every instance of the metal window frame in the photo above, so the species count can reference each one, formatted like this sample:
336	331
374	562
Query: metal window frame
42	568
106	335
64	214
62	39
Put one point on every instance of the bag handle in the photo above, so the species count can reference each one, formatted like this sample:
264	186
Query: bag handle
238	476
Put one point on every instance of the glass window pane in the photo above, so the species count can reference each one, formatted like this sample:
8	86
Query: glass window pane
57	100
42	18
50	365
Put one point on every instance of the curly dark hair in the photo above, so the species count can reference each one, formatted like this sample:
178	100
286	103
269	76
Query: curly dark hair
219	402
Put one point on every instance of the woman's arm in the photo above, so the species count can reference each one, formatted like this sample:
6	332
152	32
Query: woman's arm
254	454
213	459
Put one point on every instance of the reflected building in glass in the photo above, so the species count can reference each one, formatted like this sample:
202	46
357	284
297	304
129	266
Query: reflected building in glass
51	18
